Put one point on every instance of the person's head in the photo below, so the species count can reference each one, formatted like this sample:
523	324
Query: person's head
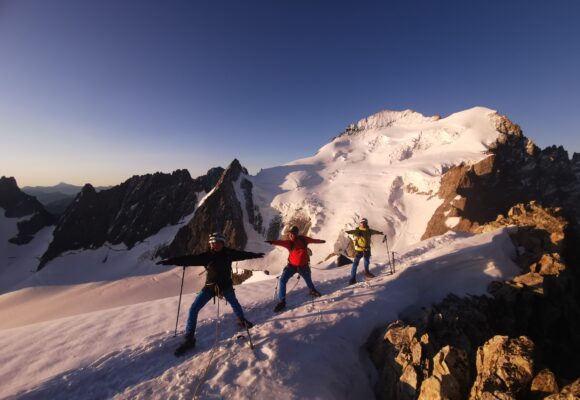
364	223
217	241
293	232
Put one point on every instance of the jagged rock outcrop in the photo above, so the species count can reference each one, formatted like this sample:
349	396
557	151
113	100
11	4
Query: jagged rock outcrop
127	213
515	171
17	204
569	392
449	378
220	211
542	305
504	368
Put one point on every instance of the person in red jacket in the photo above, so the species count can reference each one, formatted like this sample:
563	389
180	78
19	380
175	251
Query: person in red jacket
298	261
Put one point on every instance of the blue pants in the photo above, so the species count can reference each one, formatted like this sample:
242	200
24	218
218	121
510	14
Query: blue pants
205	295
289	271
357	257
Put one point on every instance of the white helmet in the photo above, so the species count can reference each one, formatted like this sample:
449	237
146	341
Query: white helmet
217	237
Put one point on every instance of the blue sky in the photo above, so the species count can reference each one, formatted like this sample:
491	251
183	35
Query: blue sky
97	91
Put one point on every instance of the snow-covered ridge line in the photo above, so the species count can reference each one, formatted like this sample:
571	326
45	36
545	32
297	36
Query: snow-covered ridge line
390	118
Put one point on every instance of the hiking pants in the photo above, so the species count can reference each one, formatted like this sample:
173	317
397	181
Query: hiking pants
205	295
359	254
289	271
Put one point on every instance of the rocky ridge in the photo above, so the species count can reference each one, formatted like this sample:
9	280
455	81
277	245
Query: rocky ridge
515	171
521	341
127	213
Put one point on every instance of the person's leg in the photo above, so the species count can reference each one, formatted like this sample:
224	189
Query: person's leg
289	270
231	298
306	274
367	257
205	295
357	257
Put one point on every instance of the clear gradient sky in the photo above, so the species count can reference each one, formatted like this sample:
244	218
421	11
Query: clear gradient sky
97	91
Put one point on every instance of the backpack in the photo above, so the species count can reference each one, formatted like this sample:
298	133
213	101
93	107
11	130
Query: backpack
360	242
301	238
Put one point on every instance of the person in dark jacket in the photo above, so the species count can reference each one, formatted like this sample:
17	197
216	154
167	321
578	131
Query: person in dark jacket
362	247
298	261
218	263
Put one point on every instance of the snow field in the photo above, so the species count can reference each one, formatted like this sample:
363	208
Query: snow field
312	350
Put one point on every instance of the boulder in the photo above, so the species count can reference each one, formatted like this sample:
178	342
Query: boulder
543	384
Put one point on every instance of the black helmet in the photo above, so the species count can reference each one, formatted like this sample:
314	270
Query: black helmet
294	229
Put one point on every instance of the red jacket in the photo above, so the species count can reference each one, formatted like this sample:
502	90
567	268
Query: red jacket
298	253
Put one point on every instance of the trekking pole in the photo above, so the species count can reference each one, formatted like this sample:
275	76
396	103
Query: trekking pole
179	304
393	269
388	253
249	336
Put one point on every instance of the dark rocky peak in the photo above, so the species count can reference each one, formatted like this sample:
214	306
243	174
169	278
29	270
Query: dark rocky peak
127	213
220	211
233	172
208	181
87	191
17	204
516	171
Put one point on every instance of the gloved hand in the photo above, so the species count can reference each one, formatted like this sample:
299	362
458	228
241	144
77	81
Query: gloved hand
260	255
324	241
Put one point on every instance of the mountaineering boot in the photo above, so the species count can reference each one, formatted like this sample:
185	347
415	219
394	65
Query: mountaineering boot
280	306
352	281
315	293
188	344
369	275
244	323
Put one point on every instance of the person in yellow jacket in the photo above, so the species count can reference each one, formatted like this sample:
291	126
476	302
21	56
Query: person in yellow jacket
362	246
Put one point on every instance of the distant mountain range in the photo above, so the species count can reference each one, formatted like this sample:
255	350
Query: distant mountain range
58	197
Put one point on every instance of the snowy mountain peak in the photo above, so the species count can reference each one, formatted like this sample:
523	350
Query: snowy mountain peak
389	118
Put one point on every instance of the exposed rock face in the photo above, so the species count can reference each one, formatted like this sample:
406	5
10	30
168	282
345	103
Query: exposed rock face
540	306
220	211
17	204
504	368
127	213
516	171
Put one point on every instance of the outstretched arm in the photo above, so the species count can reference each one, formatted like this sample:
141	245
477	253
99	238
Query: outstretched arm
312	240
283	243
186	261
351	232
239	255
374	232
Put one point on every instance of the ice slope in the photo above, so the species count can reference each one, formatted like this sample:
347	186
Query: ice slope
313	350
387	168
81	281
